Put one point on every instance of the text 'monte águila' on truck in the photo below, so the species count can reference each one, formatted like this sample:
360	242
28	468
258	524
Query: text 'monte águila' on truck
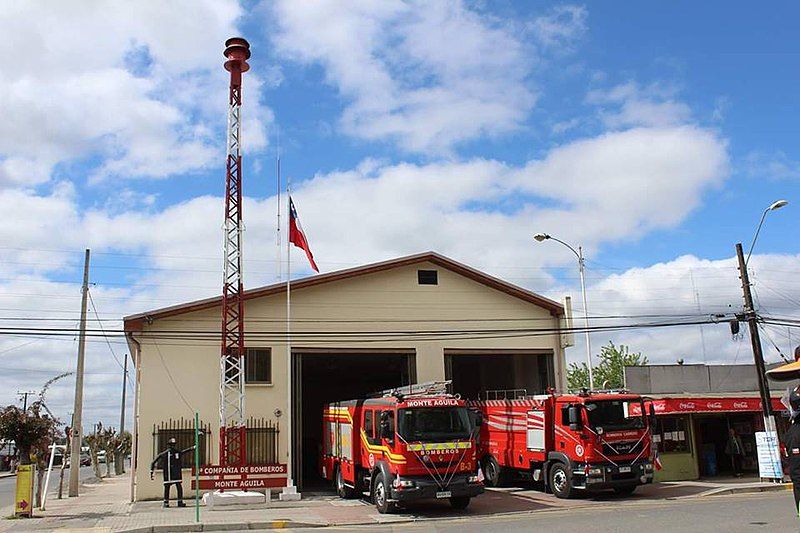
402	445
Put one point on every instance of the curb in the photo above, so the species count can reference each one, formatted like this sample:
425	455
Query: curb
7	474
227	526
723	491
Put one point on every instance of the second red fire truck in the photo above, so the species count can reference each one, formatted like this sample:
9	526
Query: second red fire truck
405	444
572	442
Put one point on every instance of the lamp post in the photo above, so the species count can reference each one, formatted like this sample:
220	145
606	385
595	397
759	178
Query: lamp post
752	320
541	237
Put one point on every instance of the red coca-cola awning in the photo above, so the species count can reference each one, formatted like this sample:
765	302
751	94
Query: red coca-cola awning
666	406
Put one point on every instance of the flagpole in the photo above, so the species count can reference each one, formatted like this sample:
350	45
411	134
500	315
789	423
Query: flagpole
278	188
289	473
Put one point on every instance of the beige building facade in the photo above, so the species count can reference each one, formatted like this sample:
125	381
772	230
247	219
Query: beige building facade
414	319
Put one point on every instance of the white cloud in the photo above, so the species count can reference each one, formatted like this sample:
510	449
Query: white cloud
404	77
560	28
109	79
629	105
775	165
689	287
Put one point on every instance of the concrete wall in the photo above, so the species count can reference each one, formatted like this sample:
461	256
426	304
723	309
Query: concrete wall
179	376
665	379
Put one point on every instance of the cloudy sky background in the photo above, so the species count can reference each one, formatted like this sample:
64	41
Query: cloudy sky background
653	136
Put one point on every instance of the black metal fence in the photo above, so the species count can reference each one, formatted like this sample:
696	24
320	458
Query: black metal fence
182	430
262	441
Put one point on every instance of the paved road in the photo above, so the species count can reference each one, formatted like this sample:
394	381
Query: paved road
732	514
8	486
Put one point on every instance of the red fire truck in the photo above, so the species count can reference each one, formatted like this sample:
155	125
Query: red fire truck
588	441
405	444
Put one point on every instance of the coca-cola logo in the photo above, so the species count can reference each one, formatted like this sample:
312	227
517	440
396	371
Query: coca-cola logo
686	405
740	405
714	405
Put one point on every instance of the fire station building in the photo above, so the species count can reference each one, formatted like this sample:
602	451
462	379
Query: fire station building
353	332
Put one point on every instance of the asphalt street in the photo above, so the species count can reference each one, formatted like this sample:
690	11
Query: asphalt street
8	485
770	512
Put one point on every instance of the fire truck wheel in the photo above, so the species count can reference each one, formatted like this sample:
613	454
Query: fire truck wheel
560	482
493	472
342	490
380	495
459	502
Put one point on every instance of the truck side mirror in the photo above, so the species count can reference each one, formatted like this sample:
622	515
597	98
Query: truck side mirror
575	422
652	416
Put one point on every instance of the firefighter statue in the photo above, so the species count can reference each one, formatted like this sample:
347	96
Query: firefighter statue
171	467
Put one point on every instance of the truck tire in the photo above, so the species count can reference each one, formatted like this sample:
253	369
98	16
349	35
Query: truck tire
342	490
493	473
459	502
561	481
380	495
625	491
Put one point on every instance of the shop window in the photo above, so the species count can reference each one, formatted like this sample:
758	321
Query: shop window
672	435
258	365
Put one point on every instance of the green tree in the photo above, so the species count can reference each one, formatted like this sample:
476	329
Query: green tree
610	372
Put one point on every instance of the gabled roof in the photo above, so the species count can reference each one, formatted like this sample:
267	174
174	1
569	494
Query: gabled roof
135	322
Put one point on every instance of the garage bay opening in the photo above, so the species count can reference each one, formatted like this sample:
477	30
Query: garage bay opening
323	377
474	372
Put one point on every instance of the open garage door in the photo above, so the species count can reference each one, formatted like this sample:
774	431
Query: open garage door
329	376
473	372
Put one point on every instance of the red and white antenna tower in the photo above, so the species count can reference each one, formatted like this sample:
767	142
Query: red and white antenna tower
232	430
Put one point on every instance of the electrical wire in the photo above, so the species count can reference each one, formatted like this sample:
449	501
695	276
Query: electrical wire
111	348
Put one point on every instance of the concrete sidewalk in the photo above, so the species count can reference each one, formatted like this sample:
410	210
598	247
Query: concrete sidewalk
103	506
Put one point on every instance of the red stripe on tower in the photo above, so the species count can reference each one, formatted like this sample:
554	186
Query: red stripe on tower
297	237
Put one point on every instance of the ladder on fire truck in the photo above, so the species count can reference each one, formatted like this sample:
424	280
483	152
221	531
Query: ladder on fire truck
428	388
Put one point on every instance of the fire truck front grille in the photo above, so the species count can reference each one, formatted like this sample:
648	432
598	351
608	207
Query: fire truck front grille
621	448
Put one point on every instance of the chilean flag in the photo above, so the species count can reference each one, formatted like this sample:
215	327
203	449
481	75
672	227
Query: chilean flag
297	237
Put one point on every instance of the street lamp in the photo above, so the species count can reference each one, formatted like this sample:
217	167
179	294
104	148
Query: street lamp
775	205
541	237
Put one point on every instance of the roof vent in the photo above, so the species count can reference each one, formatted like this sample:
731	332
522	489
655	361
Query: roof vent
428	277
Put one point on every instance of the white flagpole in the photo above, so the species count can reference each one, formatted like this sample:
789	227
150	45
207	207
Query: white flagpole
289	479
278	188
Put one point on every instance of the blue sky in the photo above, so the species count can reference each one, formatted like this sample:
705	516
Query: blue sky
652	134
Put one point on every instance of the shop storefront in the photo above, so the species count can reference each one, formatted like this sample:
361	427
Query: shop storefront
692	432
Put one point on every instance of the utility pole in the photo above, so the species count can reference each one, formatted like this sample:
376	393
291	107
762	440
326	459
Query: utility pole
75	462
755	339
119	466
25	399
124	389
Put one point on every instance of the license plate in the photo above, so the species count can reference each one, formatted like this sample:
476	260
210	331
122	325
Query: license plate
443	494
624	469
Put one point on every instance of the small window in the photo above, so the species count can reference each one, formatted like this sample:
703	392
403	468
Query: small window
428	277
258	365
369	427
389	417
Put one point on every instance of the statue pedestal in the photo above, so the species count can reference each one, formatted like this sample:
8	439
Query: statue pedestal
289	494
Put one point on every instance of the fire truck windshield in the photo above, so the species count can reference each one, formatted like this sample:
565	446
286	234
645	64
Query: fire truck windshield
615	414
434	424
